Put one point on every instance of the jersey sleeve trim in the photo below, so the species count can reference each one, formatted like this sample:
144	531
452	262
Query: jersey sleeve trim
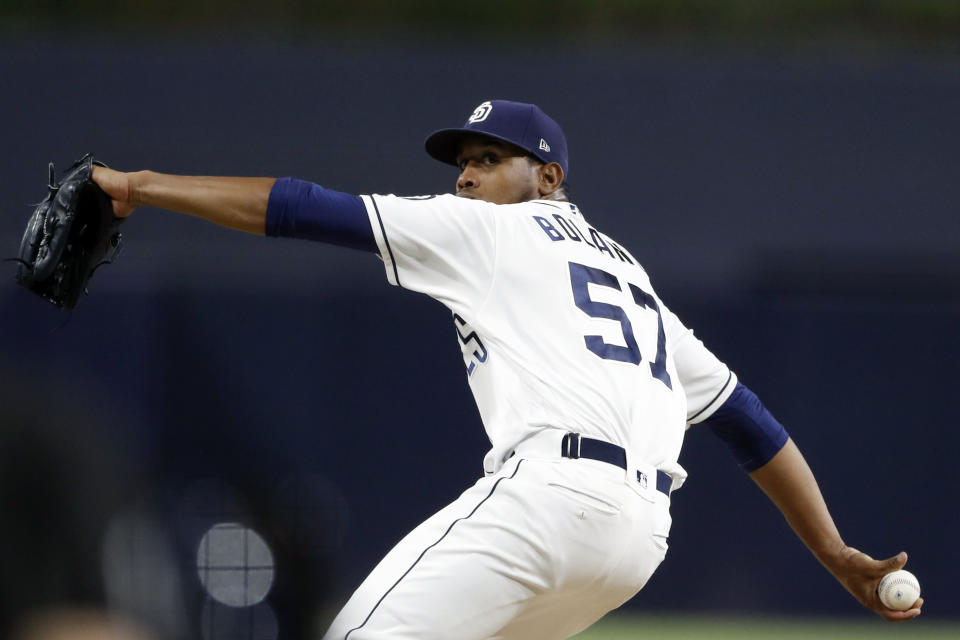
717	401
383	244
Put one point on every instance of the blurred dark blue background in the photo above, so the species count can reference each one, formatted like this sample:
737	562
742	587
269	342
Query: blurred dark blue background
798	207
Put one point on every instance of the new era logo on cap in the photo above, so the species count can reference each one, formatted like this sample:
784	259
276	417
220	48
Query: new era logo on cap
521	124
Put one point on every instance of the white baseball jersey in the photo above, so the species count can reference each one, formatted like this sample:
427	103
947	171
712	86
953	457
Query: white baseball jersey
558	324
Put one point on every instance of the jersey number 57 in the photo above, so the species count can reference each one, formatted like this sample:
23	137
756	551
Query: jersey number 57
580	276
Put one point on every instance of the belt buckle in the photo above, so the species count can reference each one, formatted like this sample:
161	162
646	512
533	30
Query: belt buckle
571	450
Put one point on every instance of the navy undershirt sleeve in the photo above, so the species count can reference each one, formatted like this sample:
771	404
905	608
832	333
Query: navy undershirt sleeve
750	431
300	209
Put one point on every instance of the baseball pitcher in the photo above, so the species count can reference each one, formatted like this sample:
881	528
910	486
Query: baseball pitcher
585	381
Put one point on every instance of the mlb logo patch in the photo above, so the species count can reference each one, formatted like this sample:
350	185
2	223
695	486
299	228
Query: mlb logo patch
642	479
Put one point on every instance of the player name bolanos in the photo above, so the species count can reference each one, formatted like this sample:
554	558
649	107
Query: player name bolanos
559	228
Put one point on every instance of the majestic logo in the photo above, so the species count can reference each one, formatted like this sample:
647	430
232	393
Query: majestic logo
544	146
481	112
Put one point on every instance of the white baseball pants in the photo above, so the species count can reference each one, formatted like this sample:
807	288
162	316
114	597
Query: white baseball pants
540	550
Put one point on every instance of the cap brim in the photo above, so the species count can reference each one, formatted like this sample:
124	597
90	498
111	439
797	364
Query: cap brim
444	145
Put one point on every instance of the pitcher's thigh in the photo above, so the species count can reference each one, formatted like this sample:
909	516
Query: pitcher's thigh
454	576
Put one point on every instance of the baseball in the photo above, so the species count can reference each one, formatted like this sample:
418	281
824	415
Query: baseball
899	590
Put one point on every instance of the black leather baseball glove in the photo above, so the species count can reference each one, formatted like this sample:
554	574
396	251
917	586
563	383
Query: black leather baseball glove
71	233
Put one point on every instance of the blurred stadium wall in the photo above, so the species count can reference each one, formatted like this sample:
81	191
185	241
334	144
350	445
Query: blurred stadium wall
233	408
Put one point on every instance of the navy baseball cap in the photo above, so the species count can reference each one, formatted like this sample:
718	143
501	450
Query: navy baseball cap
520	124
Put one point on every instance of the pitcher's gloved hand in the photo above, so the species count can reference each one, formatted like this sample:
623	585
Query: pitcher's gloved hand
70	234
